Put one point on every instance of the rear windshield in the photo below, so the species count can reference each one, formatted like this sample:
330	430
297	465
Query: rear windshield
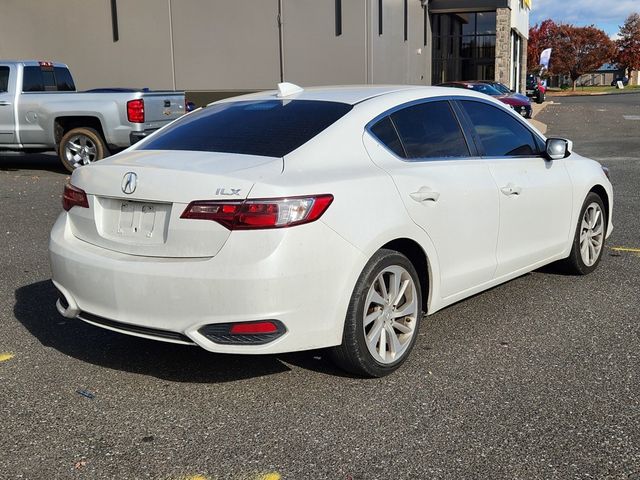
47	79
270	128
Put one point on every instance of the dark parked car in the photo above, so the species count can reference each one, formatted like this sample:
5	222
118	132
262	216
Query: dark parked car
624	80
501	87
520	104
536	89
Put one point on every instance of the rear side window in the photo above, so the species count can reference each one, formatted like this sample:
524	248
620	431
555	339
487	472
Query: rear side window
500	134
430	130
4	79
386	133
270	128
64	81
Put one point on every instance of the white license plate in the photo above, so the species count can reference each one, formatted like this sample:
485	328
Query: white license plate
529	92
138	219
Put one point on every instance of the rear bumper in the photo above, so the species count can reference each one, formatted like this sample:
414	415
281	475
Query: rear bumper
135	137
302	276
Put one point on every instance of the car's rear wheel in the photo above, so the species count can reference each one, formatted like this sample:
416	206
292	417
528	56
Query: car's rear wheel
588	242
81	146
384	314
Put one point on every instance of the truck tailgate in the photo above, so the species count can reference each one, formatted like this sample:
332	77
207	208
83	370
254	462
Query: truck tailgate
162	107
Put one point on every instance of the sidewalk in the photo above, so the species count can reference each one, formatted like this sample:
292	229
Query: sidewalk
537	108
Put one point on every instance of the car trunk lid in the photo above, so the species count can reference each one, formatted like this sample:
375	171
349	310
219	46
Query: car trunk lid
159	185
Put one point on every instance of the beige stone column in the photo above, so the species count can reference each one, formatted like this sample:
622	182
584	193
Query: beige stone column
523	67
503	45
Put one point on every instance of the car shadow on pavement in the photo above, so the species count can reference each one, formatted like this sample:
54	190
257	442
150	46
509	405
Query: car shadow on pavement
32	161
35	309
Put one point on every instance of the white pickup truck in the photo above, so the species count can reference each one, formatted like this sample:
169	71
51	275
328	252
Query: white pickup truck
40	110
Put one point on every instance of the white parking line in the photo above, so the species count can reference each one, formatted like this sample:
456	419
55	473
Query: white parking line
631	117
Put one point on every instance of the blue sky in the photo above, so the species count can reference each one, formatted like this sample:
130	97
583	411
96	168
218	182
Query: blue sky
605	14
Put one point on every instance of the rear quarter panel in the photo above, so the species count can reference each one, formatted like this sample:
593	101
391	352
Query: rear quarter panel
367	210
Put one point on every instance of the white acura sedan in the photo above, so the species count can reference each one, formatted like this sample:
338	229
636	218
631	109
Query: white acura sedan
327	217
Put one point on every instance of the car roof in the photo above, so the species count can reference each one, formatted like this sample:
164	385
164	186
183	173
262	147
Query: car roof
349	94
33	63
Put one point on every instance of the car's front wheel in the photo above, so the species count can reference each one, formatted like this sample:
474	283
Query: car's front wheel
384	314
588	241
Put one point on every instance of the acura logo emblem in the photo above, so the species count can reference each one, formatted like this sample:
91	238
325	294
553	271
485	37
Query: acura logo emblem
129	183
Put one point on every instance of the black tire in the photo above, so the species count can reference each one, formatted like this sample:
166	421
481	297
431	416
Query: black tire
574	264
353	355
540	97
97	147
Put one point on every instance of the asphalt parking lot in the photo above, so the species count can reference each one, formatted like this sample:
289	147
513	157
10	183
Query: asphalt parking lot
535	379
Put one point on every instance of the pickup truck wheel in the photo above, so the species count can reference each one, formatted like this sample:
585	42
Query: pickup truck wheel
81	146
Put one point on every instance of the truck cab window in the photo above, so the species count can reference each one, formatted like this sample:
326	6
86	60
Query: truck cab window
4	79
64	81
32	81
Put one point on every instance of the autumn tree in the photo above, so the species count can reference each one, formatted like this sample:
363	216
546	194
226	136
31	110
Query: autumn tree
540	37
628	44
579	50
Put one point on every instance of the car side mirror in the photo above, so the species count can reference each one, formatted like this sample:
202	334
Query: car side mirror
558	148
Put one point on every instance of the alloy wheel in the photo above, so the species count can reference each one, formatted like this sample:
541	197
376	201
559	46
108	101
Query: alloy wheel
390	314
80	150
591	234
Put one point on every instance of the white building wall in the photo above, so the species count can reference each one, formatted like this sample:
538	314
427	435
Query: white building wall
519	17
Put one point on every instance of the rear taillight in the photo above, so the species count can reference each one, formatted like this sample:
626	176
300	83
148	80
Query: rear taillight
259	214
135	110
74	197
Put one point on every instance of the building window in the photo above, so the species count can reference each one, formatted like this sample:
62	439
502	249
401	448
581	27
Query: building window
464	46
516	60
406	20
425	14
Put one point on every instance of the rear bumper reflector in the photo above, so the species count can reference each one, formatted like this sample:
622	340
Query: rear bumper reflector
224	333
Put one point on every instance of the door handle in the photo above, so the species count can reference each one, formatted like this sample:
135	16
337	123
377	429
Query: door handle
425	194
5	104
511	189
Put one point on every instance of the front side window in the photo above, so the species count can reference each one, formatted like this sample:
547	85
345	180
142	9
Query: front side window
270	128
499	133
32	80
430	130
4	79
